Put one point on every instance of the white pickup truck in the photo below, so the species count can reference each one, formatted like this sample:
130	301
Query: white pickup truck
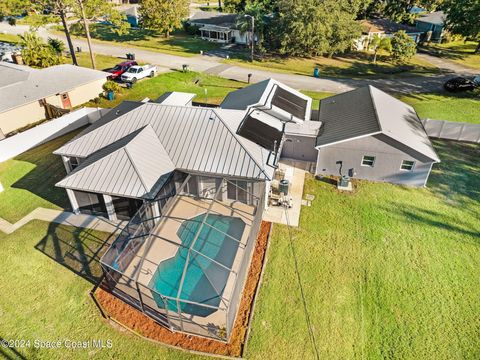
138	72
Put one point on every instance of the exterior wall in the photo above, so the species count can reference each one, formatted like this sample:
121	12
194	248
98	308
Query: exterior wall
299	148
21	116
388	160
30	113
437	30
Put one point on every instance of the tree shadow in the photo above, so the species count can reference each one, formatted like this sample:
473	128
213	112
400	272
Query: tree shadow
10	353
455	52
78	249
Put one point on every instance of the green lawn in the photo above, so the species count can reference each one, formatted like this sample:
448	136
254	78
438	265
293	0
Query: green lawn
101	61
9	38
354	65
389	272
179	43
461	52
29	181
43	299
451	107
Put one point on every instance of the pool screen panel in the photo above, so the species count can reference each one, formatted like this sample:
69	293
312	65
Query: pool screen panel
260	133
290	103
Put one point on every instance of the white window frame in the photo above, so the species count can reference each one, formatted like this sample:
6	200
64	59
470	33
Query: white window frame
373	161
411	161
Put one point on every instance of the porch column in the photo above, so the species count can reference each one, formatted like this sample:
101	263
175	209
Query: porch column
156	209
112	215
73	201
66	163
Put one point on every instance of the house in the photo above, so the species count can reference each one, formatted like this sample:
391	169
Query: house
131	13
432	24
368	134
218	27
29	95
192	183
383	28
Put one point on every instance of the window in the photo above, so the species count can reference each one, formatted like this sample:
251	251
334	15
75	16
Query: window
73	163
407	165
368	160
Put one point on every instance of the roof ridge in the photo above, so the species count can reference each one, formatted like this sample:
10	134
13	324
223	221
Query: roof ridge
125	148
239	142
375	108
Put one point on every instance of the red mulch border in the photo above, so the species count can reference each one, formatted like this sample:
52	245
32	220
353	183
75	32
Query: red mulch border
136	321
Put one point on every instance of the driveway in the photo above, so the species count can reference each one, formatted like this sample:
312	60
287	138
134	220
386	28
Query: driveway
211	64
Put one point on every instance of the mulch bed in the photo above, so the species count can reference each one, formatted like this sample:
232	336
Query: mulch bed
140	323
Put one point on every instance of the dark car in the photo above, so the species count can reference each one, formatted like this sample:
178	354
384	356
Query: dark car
120	69
459	84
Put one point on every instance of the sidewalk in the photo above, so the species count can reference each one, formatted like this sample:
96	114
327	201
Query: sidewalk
64	218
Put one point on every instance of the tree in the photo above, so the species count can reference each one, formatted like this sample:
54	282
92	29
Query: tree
36	52
463	18
234	6
91	10
259	11
316	27
163	16
403	47
380	43
13	7
57	45
399	10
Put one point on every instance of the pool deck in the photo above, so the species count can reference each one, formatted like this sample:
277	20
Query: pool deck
164	244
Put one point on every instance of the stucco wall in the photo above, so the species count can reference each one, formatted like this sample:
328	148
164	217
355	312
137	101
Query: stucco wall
33	112
299	148
388	160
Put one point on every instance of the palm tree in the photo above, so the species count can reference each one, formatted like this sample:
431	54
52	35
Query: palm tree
379	43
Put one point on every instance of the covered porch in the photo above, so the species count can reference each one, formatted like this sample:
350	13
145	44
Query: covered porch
218	34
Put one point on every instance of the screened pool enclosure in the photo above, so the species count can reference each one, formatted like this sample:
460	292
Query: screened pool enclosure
183	258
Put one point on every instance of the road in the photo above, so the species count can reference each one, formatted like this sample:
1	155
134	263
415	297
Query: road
213	65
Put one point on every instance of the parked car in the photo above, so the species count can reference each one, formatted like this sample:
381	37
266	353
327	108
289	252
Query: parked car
119	69
137	72
459	84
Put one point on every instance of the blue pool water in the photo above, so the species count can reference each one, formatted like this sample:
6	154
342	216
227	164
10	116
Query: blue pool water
204	279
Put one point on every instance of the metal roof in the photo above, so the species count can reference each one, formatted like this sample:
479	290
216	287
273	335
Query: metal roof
34	84
369	111
125	168
195	139
436	17
175	98
273	97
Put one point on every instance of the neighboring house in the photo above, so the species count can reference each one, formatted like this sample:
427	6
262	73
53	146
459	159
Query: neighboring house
193	183
433	22
383	28
368	134
218	27
29	95
131	12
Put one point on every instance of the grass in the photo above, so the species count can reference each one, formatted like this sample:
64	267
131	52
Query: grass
101	61
179	43
43	299
354	65
388	272
10	38
461	52
29	181
451	107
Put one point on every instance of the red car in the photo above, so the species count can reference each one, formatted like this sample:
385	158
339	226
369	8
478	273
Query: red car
120	69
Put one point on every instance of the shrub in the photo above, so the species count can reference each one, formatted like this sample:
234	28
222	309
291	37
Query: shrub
111	86
403	47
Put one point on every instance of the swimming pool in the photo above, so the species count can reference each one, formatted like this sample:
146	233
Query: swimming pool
204	280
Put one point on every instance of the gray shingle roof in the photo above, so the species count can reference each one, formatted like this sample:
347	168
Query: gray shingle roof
214	18
35	84
195	139
124	168
369	111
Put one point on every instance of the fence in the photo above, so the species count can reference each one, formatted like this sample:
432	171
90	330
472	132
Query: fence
448	130
17	144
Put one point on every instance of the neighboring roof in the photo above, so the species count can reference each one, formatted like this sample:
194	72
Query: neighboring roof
436	17
214	18
195	139
175	98
369	111
385	25
124	168
288	102
34	84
